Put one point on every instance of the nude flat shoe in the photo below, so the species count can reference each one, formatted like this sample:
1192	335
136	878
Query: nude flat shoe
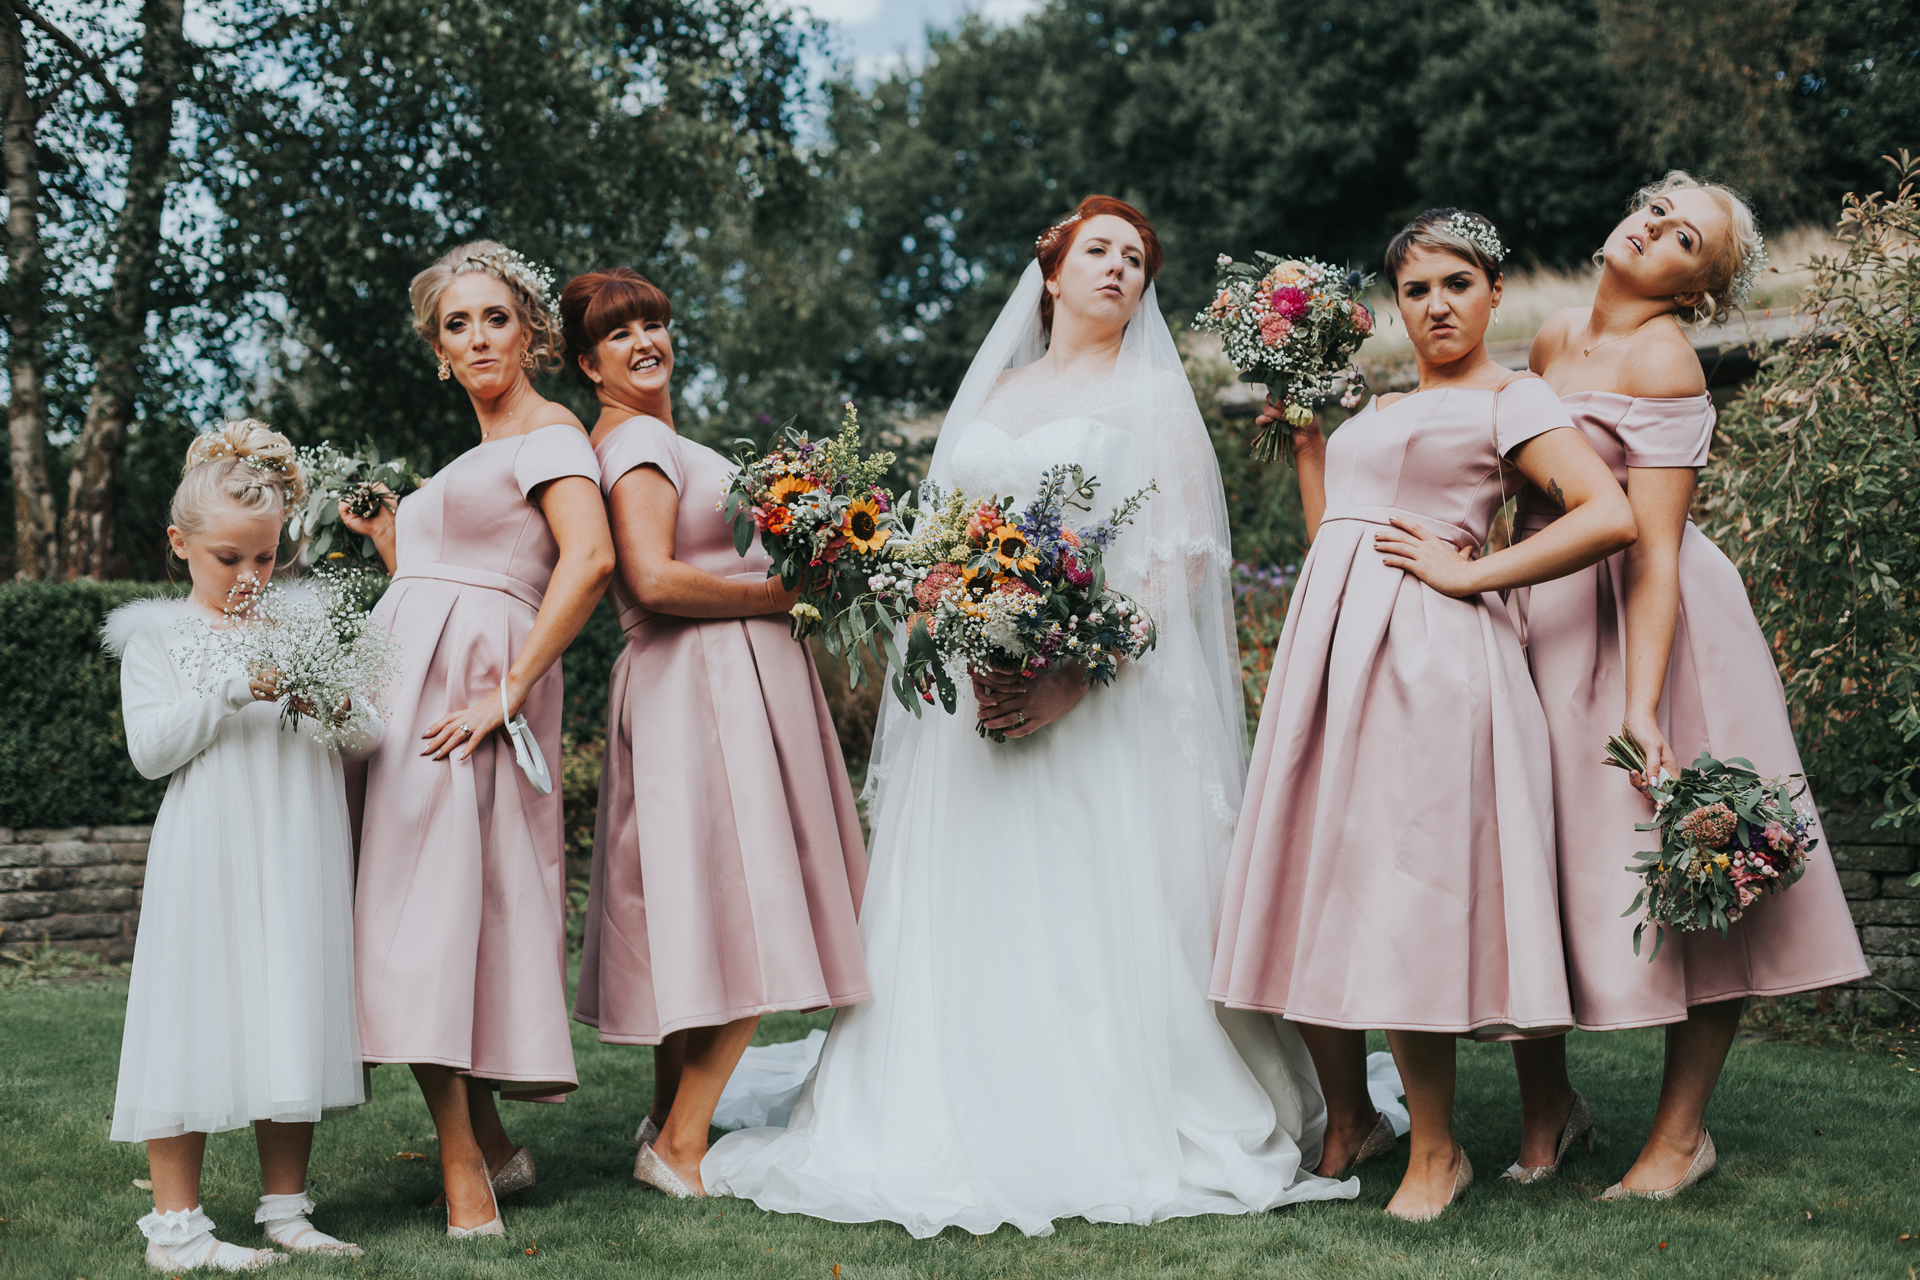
1579	1124
655	1172
1704	1158
1462	1179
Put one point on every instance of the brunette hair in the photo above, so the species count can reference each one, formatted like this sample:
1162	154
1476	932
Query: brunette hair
245	463
530	305
1723	266
595	304
1441	229
1050	250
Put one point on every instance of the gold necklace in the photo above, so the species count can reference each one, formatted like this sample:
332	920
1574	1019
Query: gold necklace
1587	351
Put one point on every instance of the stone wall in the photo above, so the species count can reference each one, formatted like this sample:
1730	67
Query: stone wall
1874	866
78	887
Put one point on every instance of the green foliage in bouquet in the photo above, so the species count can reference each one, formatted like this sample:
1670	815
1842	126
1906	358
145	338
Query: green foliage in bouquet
365	482
1727	836
1813	495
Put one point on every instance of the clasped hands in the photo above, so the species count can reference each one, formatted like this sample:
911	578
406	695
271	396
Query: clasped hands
1016	706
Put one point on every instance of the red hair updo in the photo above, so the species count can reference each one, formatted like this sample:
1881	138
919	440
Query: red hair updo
1050	250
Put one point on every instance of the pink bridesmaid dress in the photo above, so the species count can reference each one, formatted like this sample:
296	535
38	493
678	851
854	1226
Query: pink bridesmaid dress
1393	865
1722	695
459	911
727	858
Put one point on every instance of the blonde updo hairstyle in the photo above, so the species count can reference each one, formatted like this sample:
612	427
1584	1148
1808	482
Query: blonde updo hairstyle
1727	261
244	463
494	259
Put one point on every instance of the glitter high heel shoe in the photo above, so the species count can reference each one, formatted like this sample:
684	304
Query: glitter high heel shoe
515	1175
497	1227
1378	1143
656	1173
1704	1158
1579	1125
1462	1179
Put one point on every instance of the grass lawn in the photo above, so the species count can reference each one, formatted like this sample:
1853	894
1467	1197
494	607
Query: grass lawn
1819	1176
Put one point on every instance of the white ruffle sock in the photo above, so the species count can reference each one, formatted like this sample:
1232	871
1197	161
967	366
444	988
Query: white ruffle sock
183	1240
285	1218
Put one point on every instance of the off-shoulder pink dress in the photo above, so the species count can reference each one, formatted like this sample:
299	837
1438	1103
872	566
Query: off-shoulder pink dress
1722	695
1393	865
727	858
460	905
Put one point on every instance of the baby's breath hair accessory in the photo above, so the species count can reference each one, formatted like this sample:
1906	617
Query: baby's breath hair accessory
1749	274
1478	232
534	278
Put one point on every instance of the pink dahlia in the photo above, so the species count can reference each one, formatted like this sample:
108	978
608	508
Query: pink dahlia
1290	301
1072	570
1362	318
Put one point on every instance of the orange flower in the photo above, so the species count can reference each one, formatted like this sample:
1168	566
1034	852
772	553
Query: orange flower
779	520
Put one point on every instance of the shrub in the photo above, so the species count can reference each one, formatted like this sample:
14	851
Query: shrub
63	749
1814	499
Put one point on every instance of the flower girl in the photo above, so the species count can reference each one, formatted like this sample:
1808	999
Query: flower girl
241	1002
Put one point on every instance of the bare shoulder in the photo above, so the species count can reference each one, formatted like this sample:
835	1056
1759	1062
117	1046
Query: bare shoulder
1555	334
1662	364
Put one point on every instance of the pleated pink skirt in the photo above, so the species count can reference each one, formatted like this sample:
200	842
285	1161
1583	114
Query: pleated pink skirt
728	862
1723	696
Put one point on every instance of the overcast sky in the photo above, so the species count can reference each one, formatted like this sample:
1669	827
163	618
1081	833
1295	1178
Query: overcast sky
876	34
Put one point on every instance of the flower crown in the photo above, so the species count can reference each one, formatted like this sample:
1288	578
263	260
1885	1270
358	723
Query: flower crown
537	280
216	447
1478	232
1741	287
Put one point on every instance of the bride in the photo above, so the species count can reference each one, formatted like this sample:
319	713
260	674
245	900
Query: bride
1040	915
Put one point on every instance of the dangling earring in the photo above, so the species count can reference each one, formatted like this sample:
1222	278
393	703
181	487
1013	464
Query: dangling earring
1496	315
446	370
526	358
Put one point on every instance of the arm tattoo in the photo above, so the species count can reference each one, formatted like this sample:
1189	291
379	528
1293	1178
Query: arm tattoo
1553	491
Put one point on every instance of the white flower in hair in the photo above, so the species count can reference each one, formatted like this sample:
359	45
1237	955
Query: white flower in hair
534	278
1749	274
1479	232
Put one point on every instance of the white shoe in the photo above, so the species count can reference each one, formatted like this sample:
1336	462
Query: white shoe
285	1218
183	1240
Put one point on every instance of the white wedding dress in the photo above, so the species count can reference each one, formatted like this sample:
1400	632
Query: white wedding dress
1040	914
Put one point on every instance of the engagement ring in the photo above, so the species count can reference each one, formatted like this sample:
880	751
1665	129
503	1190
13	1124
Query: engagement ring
465	729
1023	717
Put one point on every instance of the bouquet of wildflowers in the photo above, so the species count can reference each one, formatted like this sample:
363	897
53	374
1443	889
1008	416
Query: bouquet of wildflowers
1293	325
1727	835
985	586
362	480
330	661
823	517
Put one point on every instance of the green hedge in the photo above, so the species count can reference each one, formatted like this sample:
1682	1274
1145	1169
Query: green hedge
63	751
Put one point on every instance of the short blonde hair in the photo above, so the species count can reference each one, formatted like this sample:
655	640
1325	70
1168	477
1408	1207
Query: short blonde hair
529	294
1721	279
245	463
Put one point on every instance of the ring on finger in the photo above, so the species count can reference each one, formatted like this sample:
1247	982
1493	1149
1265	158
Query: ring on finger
465	729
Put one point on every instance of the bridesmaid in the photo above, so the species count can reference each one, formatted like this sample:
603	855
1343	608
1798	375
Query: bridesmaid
1663	638
727	859
459	927
1394	861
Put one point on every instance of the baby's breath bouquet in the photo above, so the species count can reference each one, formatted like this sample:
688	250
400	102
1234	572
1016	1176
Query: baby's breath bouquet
1294	325
1727	835
365	482
824	519
330	661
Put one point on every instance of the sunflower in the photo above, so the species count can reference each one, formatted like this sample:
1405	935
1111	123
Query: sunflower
1011	549
790	486
862	527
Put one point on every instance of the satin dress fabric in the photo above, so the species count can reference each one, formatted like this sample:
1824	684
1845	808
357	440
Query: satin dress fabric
728	862
1722	696
460	906
1394	861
